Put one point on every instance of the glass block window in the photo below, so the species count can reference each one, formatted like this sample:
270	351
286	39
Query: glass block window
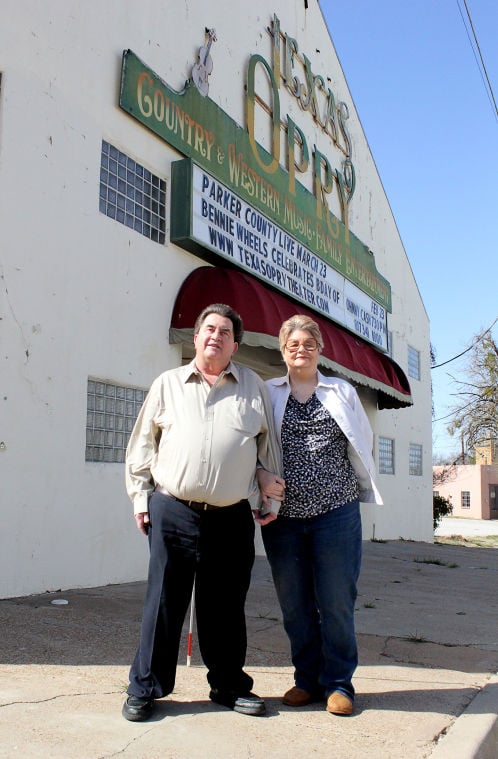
415	459
131	194
465	495
413	363
386	455
111	414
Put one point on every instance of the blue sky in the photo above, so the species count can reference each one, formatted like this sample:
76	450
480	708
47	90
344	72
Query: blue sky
433	133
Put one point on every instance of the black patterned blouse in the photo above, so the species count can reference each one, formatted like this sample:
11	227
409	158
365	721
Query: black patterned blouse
318	474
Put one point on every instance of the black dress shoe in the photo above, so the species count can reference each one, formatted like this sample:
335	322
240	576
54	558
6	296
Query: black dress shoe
246	703
137	709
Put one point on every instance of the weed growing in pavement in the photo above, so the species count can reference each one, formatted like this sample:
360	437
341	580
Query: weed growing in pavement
438	562
417	639
474	541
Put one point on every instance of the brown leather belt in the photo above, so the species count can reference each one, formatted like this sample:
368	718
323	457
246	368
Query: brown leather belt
198	505
194	505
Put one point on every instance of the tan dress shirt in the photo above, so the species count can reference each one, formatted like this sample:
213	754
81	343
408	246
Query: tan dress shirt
201	443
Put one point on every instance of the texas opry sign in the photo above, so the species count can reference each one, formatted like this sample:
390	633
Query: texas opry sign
232	197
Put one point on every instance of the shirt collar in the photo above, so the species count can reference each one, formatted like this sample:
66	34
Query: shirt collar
322	380
191	369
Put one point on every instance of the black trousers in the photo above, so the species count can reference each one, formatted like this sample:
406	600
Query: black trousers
217	549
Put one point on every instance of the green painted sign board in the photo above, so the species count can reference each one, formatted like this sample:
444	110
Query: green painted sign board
199	129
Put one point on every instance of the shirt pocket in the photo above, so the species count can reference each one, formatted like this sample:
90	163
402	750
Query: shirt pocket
244	417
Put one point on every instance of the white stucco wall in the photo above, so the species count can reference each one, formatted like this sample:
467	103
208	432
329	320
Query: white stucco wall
82	295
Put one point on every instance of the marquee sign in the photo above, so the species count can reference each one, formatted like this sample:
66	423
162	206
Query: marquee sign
208	217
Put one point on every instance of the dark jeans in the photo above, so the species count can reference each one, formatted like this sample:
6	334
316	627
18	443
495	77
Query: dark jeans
316	564
217	549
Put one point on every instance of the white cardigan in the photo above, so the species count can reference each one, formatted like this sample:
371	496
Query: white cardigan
343	404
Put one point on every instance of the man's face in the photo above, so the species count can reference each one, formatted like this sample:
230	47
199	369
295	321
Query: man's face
214	343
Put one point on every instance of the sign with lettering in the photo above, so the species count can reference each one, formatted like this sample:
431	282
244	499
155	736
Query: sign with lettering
198	128
208	216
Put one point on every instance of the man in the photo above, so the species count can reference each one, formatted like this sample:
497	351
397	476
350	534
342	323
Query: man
190	468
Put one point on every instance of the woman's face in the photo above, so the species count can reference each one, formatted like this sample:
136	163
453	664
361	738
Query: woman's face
301	350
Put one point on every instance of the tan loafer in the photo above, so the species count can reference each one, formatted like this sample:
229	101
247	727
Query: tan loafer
297	697
338	703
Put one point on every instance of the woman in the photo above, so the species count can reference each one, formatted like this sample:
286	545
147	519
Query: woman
314	546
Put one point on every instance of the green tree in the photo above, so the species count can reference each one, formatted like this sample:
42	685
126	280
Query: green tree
441	507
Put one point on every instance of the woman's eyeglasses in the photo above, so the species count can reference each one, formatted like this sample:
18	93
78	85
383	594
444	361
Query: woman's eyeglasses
308	345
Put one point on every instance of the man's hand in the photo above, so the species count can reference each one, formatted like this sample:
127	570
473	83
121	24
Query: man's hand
142	521
264	519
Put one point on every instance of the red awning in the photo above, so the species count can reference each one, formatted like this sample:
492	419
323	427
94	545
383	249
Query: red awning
263	311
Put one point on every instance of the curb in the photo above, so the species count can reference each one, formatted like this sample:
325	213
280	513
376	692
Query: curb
474	735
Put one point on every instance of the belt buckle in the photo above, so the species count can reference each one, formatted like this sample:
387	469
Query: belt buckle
203	505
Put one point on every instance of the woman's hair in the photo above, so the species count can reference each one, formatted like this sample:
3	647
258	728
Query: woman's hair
299	321
222	310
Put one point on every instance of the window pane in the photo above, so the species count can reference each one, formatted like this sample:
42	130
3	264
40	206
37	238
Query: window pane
107	433
415	456
413	362
386	455
121	178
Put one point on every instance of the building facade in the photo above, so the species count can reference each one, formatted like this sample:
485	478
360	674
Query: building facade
472	489
487	454
154	159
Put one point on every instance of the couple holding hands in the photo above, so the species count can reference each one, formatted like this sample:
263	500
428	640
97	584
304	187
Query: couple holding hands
204	431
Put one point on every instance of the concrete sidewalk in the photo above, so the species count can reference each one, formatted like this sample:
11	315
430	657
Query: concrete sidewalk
466	527
427	629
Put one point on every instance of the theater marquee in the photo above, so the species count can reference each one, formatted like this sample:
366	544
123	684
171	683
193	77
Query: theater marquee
207	217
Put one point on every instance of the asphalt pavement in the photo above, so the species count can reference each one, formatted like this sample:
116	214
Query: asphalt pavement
426	684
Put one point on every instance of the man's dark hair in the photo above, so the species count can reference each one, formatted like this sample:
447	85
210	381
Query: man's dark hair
222	310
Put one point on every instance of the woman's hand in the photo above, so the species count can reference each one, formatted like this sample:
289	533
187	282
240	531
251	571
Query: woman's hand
270	485
272	488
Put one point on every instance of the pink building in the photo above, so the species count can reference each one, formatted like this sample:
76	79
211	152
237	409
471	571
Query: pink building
471	488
